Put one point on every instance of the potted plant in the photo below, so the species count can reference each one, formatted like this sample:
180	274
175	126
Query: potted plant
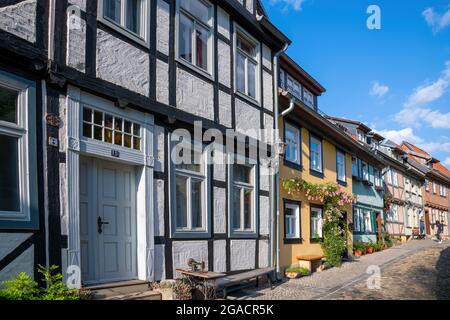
296	272
173	290
370	248
358	249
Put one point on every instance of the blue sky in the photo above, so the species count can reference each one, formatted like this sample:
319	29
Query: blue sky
396	79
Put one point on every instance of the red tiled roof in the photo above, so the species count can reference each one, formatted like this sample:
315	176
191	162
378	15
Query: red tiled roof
406	146
440	167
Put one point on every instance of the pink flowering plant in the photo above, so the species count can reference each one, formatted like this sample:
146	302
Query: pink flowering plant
334	201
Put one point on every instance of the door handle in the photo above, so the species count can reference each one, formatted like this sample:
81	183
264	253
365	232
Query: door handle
100	224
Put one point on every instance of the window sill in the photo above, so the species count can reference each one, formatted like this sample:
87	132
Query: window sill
342	183
125	32
243	235
316	173
246	97
195	69
292	241
191	235
293	165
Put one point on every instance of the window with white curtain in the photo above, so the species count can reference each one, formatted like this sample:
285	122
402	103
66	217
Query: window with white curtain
368	221
18	180
129	15
243	197
195	23
340	166
316	223
365	171
316	154
292	221
247	65
292	139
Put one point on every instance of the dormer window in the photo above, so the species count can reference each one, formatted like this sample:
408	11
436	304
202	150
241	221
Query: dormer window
308	98
361	136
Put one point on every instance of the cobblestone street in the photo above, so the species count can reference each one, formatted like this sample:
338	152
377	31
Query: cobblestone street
415	270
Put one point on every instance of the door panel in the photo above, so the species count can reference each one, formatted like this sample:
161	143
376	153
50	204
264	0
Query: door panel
110	196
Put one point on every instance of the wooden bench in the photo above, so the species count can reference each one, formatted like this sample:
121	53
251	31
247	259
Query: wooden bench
242	280
310	262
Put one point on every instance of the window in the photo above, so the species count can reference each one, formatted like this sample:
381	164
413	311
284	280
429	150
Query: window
316	223
378	182
292	140
361	136
355	169
394	178
393	213
247	58
316	154
308	98
18	180
372	175
107	128
389	176
434	187
243	197
292	221
340	166
189	187
368	221
195	33
128	15
282	79
365	171
427	185
294	88
362	220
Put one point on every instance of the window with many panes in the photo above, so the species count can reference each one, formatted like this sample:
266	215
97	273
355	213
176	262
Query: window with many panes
128	15
355	169
393	213
316	223
292	221
434	187
315	149
292	139
308	98
427	185
243	197
247	61
365	171
17	177
190	189
378	181
108	128
394	177
340	166
362	220
195	25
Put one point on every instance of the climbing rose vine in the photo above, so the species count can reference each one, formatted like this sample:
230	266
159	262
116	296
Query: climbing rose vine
334	200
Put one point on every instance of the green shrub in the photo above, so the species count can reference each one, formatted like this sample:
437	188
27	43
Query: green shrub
22	287
300	270
358	246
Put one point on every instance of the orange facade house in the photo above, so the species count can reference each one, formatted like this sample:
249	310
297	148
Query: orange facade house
435	190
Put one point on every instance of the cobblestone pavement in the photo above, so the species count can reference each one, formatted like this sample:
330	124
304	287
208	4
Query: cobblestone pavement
419	269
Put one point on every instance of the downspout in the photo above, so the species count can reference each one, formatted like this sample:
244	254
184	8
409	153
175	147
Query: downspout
274	190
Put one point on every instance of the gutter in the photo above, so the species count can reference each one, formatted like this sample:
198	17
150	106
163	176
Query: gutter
274	190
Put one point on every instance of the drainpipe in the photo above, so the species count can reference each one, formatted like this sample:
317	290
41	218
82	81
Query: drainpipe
277	180
274	190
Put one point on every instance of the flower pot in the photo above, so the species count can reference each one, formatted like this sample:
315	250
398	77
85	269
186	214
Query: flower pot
370	250
292	275
358	253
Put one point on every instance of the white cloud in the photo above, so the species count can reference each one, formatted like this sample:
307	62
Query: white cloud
378	90
399	136
294	4
435	20
415	111
447	162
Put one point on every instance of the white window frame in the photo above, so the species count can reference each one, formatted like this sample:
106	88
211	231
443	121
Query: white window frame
24	131
434	187
306	92
319	154
294	221
378	181
319	222
296	131
427	185
394	177
242	233
365	172
144	37
209	72
205	175
240	32
367	214
343	164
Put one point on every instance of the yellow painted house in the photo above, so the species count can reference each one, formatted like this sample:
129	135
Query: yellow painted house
316	151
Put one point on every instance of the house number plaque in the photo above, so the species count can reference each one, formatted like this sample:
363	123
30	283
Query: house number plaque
115	153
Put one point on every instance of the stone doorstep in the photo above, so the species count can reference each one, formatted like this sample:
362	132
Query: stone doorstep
125	290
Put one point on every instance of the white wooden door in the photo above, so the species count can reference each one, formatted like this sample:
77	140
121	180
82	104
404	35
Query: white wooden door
108	221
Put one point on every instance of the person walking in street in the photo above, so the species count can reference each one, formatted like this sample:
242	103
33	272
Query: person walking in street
439	230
